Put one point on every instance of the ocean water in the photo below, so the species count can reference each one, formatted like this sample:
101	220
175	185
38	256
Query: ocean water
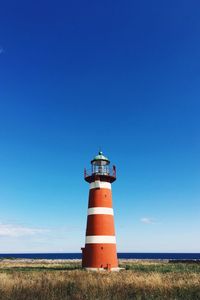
177	256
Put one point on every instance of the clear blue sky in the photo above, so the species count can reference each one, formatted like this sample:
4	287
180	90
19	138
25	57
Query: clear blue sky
76	75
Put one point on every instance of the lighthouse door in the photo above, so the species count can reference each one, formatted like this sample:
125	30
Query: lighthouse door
102	257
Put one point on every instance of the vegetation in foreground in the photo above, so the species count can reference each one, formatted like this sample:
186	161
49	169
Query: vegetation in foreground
56	280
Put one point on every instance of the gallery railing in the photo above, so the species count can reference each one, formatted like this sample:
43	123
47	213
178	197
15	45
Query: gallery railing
100	170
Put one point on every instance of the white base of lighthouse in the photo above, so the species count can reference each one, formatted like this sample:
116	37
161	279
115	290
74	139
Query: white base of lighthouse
104	269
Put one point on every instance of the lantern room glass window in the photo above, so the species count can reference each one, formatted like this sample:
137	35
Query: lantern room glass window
100	167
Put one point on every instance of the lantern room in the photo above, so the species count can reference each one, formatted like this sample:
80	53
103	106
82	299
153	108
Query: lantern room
100	167
100	164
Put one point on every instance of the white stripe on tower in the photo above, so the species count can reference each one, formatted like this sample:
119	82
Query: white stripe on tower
100	184
100	211
100	239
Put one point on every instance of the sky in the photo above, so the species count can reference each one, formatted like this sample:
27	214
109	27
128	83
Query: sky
76	76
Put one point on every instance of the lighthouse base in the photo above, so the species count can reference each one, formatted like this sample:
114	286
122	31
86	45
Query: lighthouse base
104	269
99	257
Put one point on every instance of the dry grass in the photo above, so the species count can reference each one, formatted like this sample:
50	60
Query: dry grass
48	280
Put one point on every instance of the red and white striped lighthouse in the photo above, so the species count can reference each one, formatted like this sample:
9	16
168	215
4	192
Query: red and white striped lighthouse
100	243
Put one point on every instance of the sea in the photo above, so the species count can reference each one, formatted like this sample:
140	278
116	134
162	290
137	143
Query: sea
175	256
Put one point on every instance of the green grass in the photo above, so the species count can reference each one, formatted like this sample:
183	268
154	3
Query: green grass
138	267
39	269
141	280
164	268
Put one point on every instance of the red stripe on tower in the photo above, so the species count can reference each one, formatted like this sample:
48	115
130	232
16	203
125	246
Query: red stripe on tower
100	243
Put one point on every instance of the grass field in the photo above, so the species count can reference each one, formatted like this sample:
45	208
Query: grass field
55	280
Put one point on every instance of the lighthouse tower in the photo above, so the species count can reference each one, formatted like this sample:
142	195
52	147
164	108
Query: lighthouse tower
100	243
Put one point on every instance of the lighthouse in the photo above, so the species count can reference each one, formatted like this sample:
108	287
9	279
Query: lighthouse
100	251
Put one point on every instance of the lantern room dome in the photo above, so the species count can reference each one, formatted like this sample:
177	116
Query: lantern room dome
100	158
